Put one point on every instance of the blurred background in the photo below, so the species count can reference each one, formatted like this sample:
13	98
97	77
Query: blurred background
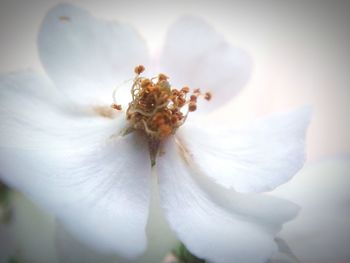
300	49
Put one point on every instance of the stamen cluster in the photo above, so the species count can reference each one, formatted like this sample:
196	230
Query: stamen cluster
157	108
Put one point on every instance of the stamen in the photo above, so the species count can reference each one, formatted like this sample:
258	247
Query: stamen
139	69
193	98
156	108
192	106
161	77
116	89
185	89
116	106
207	96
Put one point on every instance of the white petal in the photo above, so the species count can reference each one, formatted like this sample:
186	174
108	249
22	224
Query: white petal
74	166
88	57
253	159
207	230
195	54
321	233
284	254
161	240
271	212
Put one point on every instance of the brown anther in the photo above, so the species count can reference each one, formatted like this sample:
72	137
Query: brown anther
192	106
116	106
158	119
207	96
165	97
197	91
181	101
162	76
175	92
151	88
139	69
157	109
156	89
165	130
193	98
174	119
185	89
145	83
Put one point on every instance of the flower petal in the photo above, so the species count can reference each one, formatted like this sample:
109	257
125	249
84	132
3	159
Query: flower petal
254	159
270	212
74	166
87	57
195	54
207	230
161	240
321	233
284	254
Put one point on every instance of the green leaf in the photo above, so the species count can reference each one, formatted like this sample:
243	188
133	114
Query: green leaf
5	204
184	256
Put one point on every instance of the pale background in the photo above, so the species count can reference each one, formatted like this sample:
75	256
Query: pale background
301	52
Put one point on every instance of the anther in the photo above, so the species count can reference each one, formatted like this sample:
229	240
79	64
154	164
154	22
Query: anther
207	96
116	106
197	91
175	92
165	130
192	106
181	102
145	83
162	76
139	69
174	119
193	98
185	89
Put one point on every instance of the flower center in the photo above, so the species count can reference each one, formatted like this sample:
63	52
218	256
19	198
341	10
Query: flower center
157	109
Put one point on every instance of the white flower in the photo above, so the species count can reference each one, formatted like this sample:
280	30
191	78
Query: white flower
61	146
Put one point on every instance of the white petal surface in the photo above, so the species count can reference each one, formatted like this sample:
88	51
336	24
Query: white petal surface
195	54
161	240
321	233
284	254
270	212
87	57
206	229
70	163
252	159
